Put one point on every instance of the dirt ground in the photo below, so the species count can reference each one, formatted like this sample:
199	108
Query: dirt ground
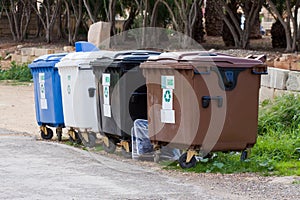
17	108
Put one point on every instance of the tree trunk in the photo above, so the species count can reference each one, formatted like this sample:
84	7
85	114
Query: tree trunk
213	20
278	35
197	26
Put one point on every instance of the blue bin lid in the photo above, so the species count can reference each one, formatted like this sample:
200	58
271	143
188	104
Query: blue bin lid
84	46
48	60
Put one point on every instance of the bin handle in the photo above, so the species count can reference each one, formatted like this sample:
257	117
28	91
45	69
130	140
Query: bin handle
91	92
265	72
207	72
85	68
207	99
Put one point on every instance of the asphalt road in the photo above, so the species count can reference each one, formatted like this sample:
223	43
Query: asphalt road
31	169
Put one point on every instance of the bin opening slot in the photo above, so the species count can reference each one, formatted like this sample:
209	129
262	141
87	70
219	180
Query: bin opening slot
228	77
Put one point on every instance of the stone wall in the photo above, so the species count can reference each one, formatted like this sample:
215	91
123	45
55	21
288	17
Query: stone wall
278	82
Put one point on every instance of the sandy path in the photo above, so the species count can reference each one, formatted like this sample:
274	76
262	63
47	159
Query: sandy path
17	111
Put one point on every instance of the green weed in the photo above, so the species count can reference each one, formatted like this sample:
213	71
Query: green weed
19	72
277	149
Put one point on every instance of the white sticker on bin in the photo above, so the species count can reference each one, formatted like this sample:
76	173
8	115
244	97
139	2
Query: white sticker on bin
106	79
167	116
167	99
41	77
43	104
106	95
167	82
106	110
42	90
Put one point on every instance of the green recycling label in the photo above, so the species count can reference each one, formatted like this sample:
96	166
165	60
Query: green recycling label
167	99
167	82
105	79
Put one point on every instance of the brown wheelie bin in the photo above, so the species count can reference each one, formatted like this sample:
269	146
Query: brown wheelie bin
203	102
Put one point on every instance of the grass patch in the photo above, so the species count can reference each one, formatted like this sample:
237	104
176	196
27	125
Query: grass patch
19	72
277	149
99	148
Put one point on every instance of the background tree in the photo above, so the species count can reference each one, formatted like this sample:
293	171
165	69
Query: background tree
278	7
47	13
232	21
213	20
18	14
73	8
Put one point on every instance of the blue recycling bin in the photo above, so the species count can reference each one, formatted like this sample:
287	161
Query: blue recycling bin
47	94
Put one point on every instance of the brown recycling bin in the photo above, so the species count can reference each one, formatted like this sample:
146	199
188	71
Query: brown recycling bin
203	101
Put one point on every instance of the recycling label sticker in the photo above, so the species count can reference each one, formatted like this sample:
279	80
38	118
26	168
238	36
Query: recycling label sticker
167	82
167	114
43	100
41	77
106	79
69	89
106	94
106	84
42	91
167	99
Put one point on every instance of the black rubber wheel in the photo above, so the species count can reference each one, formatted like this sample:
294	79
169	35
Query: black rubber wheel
111	148
77	139
92	139
183	164
126	154
244	155
59	134
49	134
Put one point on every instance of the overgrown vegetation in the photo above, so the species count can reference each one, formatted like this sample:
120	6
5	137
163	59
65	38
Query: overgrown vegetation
276	151
19	72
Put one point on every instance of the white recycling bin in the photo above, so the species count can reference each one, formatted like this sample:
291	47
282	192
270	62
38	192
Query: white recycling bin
79	94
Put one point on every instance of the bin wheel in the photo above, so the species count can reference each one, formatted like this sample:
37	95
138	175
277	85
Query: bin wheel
183	164
126	154
59	134
47	136
77	139
92	139
111	148
244	155
156	157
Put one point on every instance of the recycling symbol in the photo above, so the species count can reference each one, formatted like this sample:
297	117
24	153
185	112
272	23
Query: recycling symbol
167	96
106	92
69	89
42	88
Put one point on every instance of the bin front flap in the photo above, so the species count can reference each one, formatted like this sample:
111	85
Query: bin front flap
48	60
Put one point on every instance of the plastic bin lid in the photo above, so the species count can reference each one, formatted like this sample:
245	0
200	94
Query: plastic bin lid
204	58
48	60
84	46
125	56
82	58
